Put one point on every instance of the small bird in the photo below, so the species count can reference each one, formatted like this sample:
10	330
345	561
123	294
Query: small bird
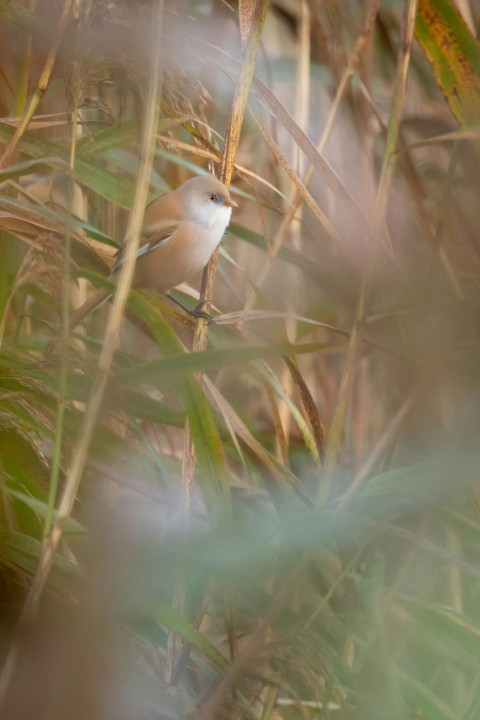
180	231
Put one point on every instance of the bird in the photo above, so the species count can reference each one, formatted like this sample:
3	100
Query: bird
180	231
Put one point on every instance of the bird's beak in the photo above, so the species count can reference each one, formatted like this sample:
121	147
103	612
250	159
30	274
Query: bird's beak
230	203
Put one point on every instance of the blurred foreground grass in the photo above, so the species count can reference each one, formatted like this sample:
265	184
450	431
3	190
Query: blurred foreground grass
325	564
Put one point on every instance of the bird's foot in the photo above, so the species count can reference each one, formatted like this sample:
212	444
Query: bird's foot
198	312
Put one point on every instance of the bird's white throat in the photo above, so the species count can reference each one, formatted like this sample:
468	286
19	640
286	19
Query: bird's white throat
214	221
213	216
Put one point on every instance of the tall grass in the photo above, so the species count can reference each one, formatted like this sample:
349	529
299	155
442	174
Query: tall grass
274	514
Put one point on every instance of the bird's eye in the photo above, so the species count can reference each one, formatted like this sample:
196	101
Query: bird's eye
213	197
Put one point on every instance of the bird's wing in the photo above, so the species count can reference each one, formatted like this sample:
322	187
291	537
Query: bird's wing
155	235
148	243
160	221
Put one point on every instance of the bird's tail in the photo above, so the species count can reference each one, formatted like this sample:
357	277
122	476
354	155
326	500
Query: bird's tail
98	297
94	301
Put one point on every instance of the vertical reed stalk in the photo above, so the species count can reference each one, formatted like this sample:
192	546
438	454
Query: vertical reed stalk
356	340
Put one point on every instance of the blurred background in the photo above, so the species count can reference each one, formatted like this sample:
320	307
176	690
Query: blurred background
324	562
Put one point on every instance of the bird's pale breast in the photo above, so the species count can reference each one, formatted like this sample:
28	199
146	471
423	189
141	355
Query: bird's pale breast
181	257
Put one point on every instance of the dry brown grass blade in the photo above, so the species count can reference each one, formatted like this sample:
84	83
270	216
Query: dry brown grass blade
25	222
238	427
308	403
462	134
301	114
394	119
244	316
25	229
355	57
298	182
231	143
297	199
280	438
40	122
246	14
315	157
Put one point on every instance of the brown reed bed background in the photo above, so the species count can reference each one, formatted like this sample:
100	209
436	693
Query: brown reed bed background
275	514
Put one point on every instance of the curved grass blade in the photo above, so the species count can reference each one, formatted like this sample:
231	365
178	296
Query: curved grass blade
454	54
106	183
